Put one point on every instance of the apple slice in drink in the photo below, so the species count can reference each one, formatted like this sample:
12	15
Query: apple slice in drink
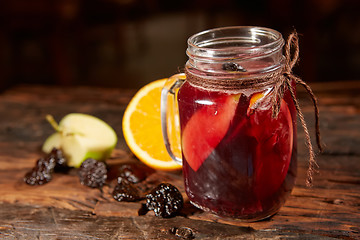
206	128
82	136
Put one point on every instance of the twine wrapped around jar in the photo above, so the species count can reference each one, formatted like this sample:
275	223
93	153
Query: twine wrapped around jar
281	79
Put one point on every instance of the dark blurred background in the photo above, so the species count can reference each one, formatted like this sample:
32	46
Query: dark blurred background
128	43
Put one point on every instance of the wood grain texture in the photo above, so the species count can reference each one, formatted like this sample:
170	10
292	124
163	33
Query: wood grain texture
64	209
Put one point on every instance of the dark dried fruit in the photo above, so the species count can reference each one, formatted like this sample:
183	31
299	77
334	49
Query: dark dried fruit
165	200
125	191
231	66
59	159
183	232
133	172
143	210
41	173
92	173
44	168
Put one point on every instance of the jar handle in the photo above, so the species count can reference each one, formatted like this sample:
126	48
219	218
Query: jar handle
169	92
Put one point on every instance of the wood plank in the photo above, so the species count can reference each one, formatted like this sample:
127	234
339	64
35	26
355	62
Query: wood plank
53	223
64	209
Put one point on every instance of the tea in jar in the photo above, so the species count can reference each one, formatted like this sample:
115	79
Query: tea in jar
237	120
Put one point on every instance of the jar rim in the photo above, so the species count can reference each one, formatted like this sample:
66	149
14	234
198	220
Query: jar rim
234	42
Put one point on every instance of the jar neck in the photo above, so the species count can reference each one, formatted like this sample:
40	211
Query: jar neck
235	52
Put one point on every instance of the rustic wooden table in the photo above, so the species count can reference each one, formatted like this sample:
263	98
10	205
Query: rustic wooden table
64	209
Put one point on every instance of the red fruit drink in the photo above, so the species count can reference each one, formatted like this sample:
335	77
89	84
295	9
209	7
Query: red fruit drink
238	161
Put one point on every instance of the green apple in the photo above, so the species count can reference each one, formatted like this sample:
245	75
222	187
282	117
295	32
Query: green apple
81	136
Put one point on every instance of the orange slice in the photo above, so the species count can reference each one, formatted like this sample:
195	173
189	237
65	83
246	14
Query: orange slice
255	101
255	98
142	128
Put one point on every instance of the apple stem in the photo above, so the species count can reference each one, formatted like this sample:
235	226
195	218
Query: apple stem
52	122
57	128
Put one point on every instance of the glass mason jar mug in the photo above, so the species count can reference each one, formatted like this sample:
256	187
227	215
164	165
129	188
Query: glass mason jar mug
238	160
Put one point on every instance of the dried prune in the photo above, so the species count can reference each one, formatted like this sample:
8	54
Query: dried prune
133	172
125	191
143	210
183	232
165	200
231	66
41	173
59	159
92	173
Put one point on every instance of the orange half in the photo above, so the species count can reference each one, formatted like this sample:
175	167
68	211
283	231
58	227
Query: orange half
142	128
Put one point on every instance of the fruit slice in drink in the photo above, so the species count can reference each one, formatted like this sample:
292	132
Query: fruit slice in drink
273	150
206	128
